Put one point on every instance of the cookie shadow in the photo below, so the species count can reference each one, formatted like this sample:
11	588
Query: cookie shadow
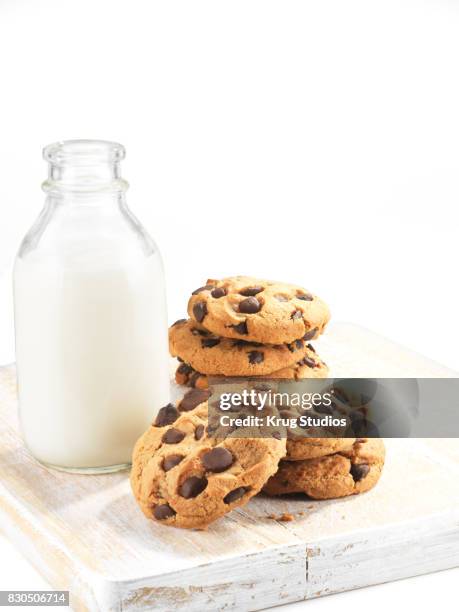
144	535
299	505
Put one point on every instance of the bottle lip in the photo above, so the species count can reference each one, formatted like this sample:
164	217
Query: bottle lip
83	152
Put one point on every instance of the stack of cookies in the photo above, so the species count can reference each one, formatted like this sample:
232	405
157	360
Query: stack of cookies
242	326
183	477
182	474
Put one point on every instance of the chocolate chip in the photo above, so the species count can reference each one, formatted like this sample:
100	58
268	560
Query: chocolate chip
199	432
307	361
297	314
260	387
178	322
193	398
192	487
182	378
200	311
185	369
235	494
200	332
241	328
307	297
201	289
299	344
309	335
249	291
166	416
311	348
359	471
218	292
250	305
218	459
256	357
210	342
323	409
171	461
163	511
194	379
173	436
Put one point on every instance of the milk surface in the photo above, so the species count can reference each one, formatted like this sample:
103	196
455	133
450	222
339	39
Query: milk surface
91	345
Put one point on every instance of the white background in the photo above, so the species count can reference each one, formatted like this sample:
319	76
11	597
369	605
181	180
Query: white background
313	142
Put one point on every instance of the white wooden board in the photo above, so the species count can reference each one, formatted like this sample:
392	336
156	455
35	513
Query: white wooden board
86	534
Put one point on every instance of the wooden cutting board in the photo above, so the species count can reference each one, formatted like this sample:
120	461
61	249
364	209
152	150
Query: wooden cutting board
85	533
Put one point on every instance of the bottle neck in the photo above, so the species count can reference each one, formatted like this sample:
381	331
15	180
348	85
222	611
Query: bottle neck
84	169
103	201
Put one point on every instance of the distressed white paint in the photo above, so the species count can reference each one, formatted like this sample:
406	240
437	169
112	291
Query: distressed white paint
86	534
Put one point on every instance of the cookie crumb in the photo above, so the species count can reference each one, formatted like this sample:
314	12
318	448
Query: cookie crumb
286	517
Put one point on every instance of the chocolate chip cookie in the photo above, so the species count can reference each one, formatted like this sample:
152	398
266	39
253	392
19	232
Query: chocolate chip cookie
183	478
338	475
217	356
257	310
310	366
313	368
302	448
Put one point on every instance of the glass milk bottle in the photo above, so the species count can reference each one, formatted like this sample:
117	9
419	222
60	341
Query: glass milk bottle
90	316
